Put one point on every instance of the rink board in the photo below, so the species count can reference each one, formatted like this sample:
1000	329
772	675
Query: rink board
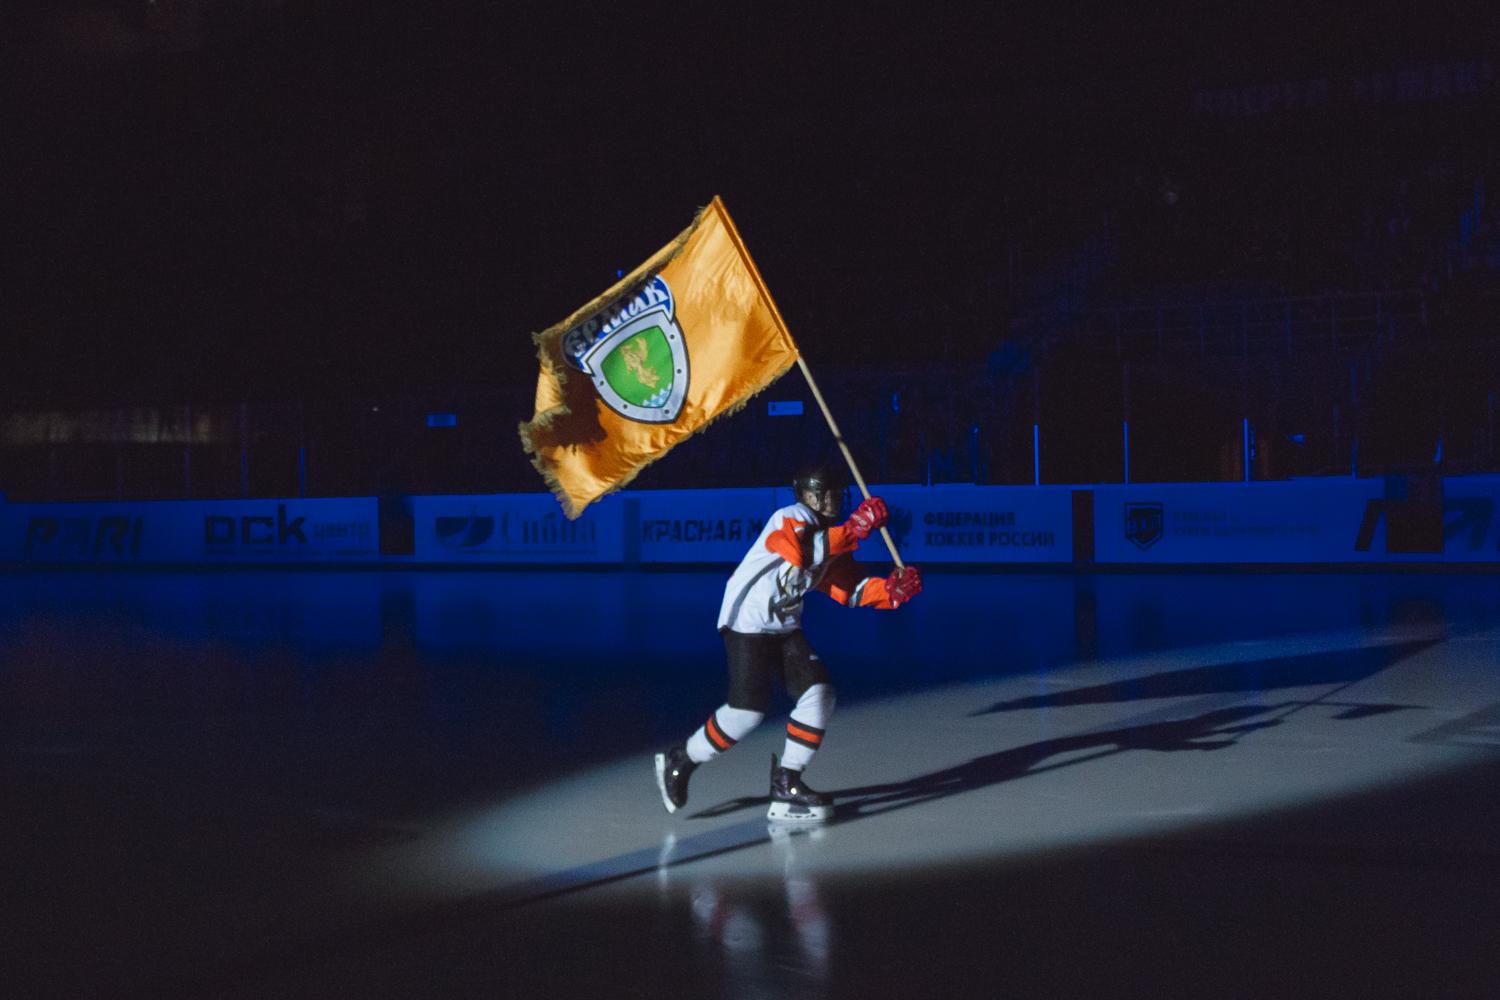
1333	521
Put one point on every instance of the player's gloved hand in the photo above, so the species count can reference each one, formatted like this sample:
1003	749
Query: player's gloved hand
868	517
903	584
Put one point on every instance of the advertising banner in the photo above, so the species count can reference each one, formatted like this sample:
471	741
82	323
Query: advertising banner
337	529
515	528
1391	520
187	531
83	533
929	524
1471	527
976	524
700	526
1279	522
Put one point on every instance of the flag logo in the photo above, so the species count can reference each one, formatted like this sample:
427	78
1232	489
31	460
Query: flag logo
637	358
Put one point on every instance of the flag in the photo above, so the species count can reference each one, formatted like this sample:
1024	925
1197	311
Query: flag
686	337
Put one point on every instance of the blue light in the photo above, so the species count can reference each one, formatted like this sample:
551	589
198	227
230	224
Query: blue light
1036	454
442	420
1247	448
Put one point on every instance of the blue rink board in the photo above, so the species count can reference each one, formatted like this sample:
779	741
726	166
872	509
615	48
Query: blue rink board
1323	521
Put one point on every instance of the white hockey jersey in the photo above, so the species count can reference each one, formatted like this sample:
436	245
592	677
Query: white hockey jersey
792	556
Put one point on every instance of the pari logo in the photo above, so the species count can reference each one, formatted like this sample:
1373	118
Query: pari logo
635	354
1144	524
83	537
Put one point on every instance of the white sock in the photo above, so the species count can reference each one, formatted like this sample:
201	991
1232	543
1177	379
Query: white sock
726	727
804	731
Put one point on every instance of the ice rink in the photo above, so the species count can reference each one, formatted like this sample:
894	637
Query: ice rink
387	783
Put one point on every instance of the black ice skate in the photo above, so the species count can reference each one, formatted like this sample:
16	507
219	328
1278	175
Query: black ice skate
673	769
792	801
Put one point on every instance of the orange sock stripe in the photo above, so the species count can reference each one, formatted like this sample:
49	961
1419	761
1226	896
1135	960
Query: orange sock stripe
716	735
805	734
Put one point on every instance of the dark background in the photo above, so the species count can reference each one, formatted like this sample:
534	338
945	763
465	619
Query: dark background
327	202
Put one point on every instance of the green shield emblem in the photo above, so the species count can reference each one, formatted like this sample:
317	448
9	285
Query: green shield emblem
641	369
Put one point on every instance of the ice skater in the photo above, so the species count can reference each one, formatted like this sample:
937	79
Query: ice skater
800	549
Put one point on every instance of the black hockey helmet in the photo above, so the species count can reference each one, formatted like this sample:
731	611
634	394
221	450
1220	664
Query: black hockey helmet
827	479
821	475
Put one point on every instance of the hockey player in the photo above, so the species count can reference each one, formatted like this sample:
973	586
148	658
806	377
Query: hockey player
800	549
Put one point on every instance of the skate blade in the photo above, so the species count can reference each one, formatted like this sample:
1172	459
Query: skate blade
784	834
786	812
661	782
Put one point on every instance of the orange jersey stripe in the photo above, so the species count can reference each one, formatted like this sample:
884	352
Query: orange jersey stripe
786	542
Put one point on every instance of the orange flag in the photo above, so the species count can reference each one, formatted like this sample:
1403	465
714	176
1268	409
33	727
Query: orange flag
689	335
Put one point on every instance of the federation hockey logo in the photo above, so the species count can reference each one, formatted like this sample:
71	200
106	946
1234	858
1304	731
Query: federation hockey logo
635	355
1143	524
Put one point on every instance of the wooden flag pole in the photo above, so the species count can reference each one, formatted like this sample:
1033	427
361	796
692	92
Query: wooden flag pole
838	438
739	244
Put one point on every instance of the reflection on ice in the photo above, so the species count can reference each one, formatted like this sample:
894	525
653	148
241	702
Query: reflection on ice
759	933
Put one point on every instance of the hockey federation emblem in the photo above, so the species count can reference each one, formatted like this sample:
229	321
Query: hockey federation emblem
635	355
1143	524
